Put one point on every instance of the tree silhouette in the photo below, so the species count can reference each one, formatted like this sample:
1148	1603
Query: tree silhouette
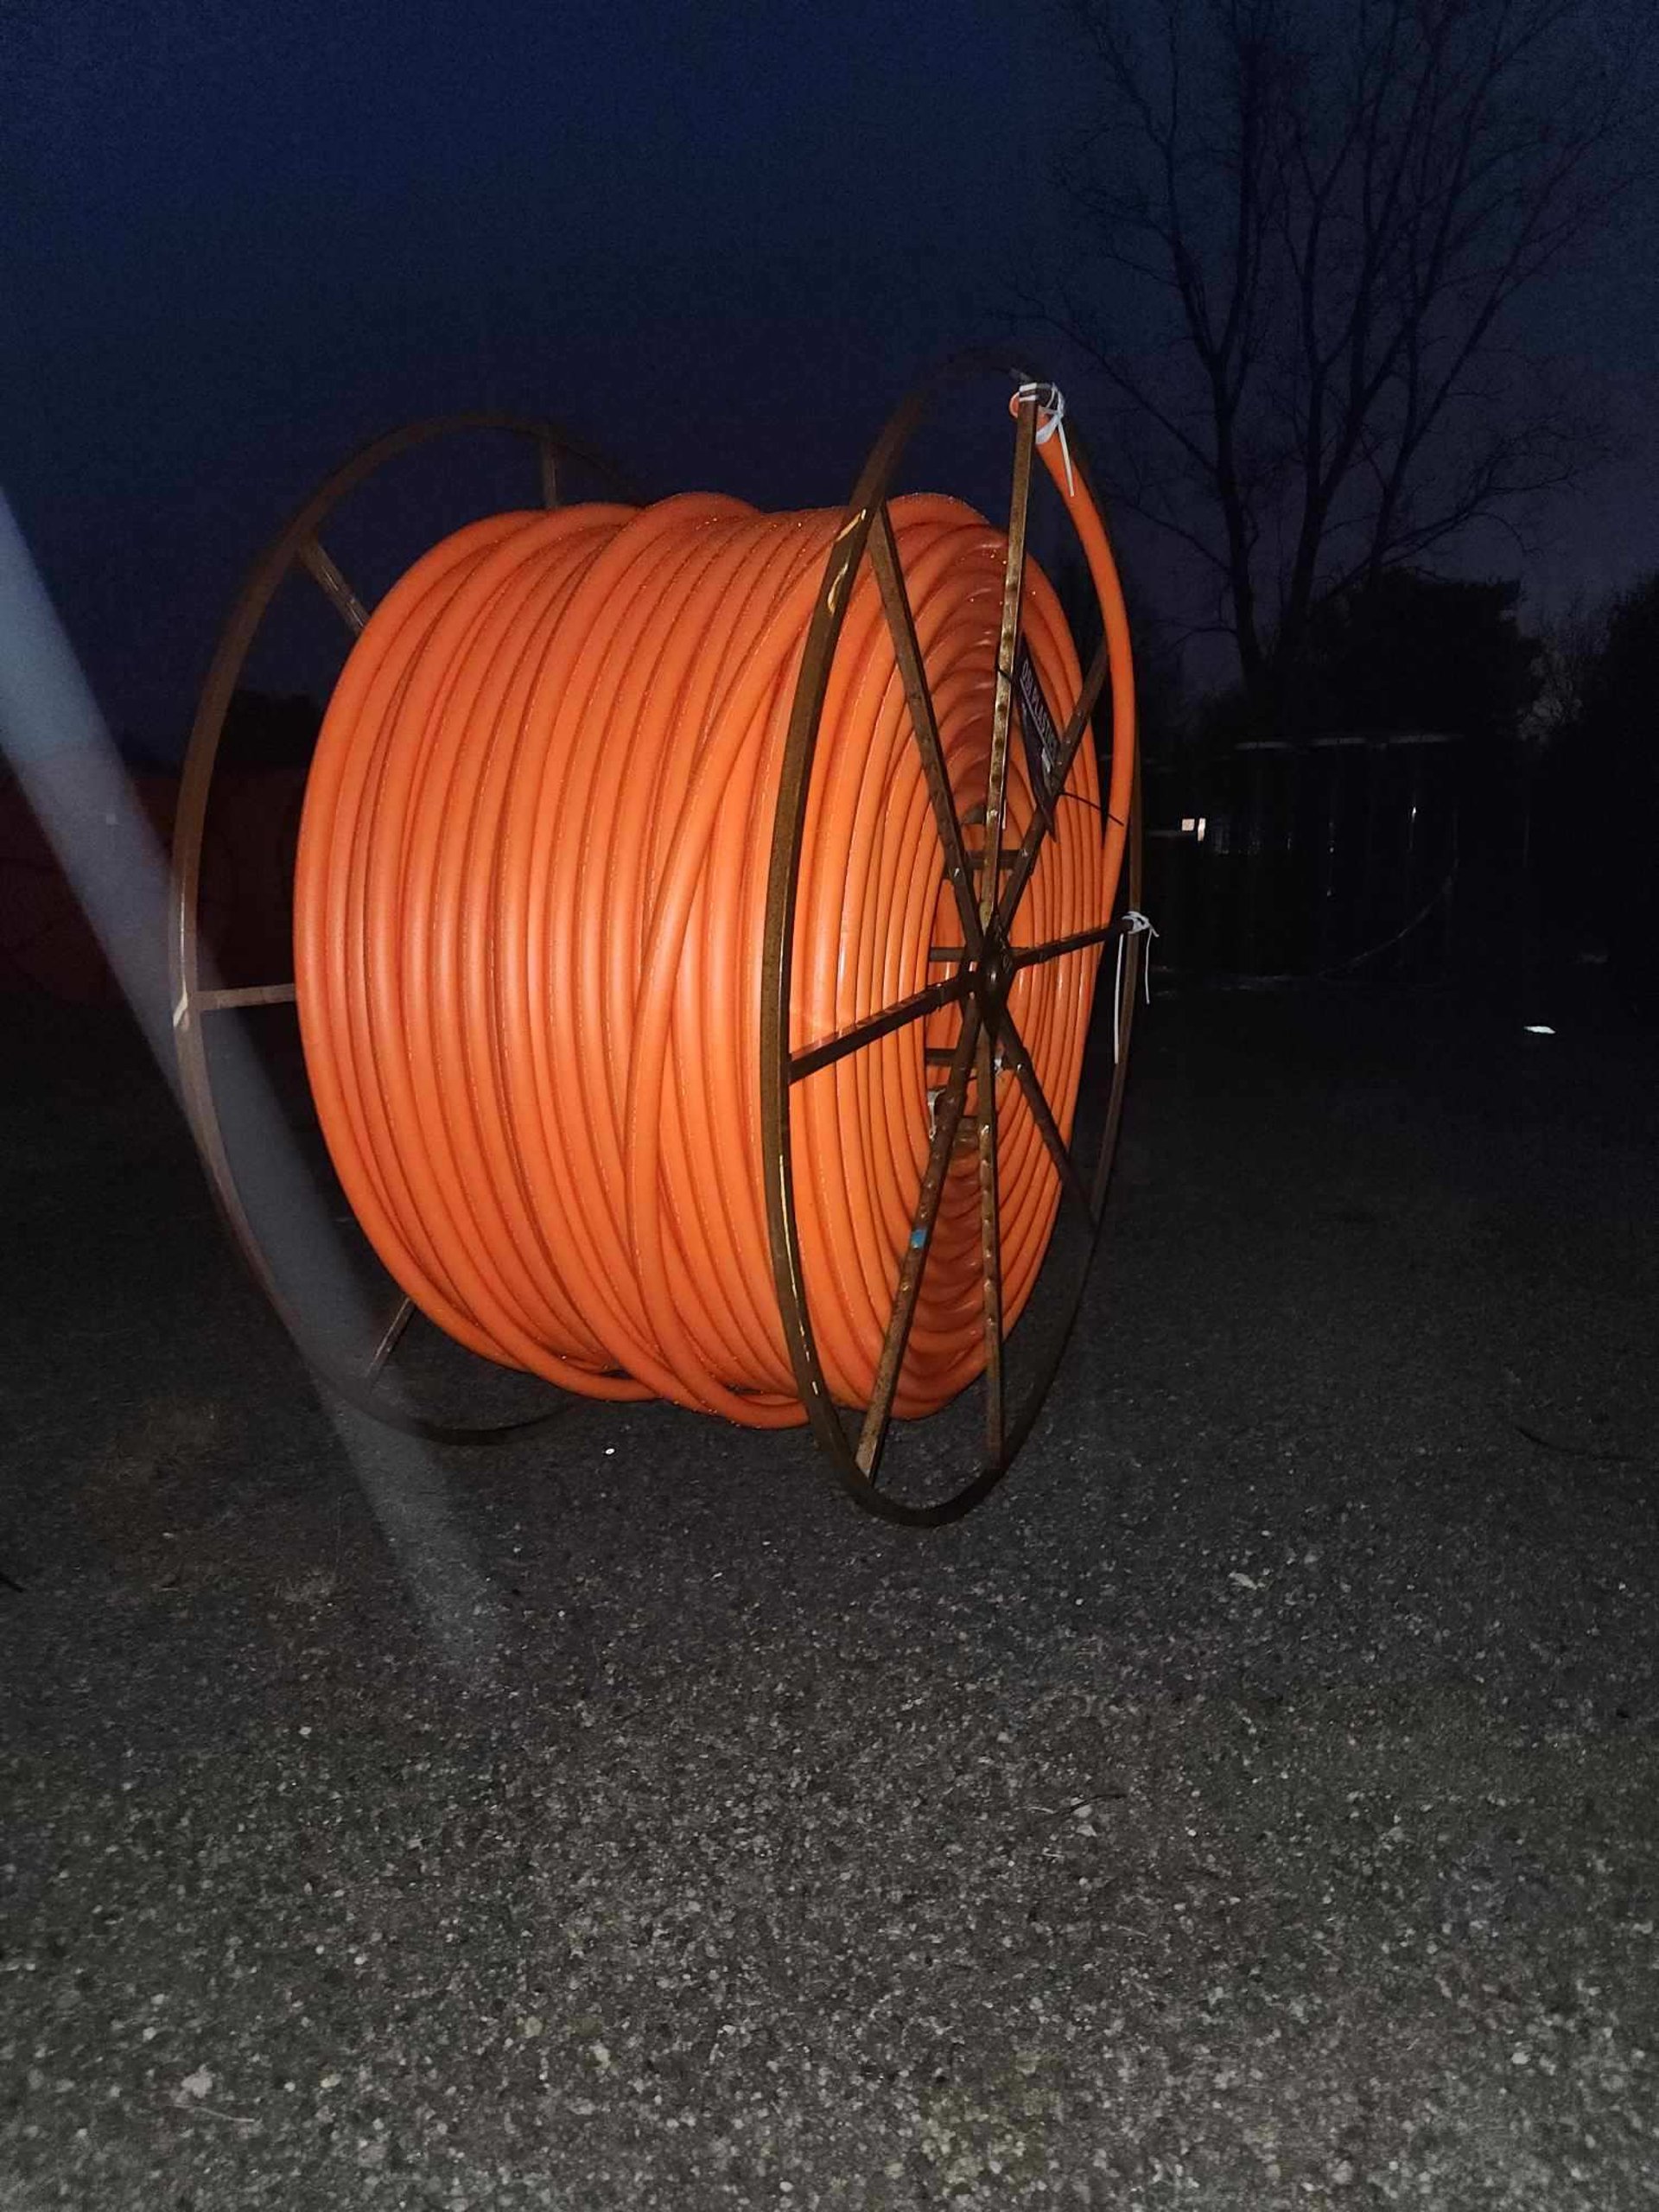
1328	213
1405	651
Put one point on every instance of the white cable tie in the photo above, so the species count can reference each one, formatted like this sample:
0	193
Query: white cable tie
1052	400
1136	922
1133	923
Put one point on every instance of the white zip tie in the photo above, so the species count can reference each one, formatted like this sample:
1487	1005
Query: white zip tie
1052	400
1135	924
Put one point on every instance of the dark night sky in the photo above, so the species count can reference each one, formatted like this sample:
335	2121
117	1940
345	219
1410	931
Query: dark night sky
717	242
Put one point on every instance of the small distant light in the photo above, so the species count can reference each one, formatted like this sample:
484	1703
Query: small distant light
1539	1029
1192	825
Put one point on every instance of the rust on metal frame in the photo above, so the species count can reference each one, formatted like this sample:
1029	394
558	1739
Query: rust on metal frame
913	1264
867	527
297	543
990	1245
1014	586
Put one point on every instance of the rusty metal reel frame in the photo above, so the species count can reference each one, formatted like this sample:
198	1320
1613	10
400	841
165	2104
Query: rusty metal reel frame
986	964
196	999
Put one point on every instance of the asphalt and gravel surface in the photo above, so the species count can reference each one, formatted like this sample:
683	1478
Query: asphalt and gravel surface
1254	1806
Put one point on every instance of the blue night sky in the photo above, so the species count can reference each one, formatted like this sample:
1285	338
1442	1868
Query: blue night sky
718	242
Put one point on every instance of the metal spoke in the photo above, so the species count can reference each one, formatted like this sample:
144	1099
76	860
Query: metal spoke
319	565
247	994
549	459
991	1246
901	624
1036	830
1014	1053
1014	583
1037	956
858	1034
388	1344
878	1412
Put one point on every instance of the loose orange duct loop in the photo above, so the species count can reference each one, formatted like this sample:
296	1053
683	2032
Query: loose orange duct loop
528	914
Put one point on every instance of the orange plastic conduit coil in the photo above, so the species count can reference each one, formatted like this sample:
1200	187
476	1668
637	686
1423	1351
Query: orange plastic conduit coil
529	912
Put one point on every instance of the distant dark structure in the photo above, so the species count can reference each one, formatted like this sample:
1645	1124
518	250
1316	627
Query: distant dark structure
1338	857
1376	831
1594	810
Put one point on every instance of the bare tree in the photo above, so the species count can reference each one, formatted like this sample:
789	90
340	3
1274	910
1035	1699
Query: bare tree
1571	643
1329	209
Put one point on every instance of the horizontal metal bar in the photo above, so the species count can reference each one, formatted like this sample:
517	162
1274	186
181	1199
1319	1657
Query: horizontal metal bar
858	1034
1056	947
253	994
1033	956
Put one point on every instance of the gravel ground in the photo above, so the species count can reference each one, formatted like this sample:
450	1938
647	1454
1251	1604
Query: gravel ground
1254	1806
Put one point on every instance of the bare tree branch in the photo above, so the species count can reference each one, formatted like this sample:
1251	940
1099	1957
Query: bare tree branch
1329	214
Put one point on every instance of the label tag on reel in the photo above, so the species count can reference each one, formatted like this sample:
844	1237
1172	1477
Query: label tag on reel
1040	731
